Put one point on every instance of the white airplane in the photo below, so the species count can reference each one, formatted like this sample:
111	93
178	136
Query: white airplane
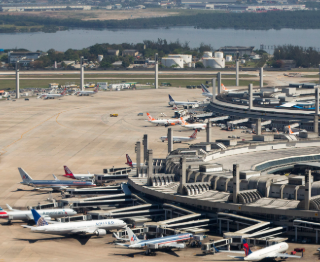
87	93
130	163
163	122
179	139
69	174
26	215
164	243
192	126
94	227
180	103
274	251
53	96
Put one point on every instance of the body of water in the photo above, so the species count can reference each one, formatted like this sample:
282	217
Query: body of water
81	38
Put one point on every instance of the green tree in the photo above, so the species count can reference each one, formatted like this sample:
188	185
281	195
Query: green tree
199	65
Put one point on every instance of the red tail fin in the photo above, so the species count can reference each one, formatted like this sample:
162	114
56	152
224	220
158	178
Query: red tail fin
194	135
68	172
96	89
129	161
64	91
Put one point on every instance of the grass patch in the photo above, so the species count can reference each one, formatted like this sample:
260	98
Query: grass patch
44	83
311	76
127	76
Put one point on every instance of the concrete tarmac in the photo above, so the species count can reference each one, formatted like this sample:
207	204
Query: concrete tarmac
43	135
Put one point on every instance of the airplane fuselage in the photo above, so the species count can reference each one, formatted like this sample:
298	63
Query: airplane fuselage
267	252
85	227
163	240
57	183
181	103
27	215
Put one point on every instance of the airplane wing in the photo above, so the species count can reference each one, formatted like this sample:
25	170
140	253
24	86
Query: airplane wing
119	238
84	231
11	209
55	178
172	245
53	187
285	255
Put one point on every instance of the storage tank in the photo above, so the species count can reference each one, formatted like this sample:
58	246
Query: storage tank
229	58
214	62
186	58
207	54
100	57
218	54
243	61
170	61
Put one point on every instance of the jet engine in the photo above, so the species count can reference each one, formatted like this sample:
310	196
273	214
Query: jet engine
100	232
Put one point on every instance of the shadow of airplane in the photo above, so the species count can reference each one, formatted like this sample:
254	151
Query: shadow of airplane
82	239
168	251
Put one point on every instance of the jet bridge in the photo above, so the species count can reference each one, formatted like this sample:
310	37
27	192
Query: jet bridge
218	118
238	121
145	210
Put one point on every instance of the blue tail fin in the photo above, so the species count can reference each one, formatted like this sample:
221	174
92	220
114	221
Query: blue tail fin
39	220
246	247
170	98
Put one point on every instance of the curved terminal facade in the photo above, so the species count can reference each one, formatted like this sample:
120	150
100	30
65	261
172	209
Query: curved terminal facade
275	177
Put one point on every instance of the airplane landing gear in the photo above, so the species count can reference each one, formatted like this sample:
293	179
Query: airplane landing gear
150	252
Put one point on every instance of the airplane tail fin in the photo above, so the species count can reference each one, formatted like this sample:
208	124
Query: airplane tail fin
133	238
204	89
194	135
171	99
183	122
246	247
224	88
129	161
38	219
290	130
64	91
96	89
3	214
68	172
150	118
25	177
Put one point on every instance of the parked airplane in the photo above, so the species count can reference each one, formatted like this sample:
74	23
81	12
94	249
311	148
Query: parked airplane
94	227
26	215
53	96
295	133
87	93
179	139
69	174
274	251
180	103
155	243
163	122
207	93
130	163
192	126
54	184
